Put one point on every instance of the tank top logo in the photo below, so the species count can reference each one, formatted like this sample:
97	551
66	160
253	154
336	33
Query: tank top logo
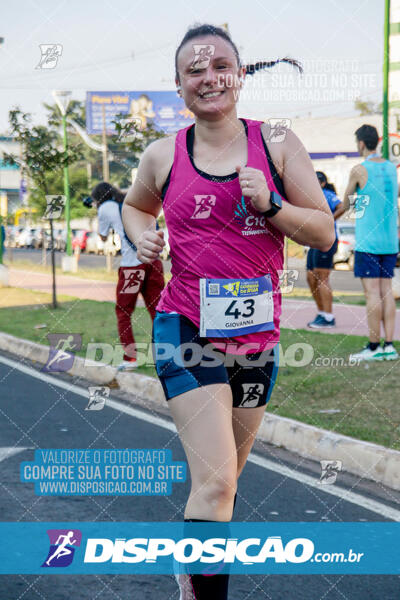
250	224
204	204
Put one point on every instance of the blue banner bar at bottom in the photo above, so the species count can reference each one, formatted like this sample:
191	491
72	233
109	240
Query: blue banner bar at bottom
165	548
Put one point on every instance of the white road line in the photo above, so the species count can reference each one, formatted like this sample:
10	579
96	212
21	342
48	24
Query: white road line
348	496
9	452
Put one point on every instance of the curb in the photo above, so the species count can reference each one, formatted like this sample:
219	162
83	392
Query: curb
364	459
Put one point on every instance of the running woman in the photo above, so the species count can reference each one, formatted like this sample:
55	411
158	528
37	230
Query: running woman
229	196
320	264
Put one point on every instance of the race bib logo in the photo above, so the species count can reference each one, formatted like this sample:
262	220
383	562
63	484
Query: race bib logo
330	470
202	55
61	351
133	279
204	204
97	397
63	543
252	393
233	288
50	55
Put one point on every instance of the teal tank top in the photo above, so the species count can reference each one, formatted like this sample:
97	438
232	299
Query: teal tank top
376	210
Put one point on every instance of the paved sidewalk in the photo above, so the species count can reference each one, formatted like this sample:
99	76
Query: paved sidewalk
350	318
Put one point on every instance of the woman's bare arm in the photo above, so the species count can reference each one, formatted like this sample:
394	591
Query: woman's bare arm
142	206
306	217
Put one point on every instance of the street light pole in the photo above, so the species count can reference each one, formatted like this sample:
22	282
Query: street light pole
385	144
68	248
62	98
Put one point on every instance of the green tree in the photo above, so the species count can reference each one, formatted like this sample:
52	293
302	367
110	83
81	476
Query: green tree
41	159
366	107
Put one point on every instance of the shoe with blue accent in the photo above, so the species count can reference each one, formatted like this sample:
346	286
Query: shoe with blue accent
321	323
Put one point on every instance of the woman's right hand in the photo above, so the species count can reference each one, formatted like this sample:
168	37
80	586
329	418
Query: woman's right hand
150	245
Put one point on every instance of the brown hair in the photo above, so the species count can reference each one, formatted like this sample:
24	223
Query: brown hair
206	29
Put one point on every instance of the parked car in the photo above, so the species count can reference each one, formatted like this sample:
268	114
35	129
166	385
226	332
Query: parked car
346	243
79	240
41	237
60	238
25	238
94	244
12	233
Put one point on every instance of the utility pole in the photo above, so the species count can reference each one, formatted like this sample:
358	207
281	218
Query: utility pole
106	172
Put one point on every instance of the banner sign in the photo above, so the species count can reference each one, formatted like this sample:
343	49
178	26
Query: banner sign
207	548
166	110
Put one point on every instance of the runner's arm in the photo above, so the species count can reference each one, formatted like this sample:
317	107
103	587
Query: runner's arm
306	218
142	203
351	188
338	212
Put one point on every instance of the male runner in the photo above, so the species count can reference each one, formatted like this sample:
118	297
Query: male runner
373	191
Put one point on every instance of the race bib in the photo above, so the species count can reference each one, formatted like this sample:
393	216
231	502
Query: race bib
232	307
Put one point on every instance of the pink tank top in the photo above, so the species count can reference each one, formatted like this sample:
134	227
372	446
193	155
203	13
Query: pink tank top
214	234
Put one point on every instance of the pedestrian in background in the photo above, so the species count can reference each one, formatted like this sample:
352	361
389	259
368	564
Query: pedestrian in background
320	264
134	277
373	191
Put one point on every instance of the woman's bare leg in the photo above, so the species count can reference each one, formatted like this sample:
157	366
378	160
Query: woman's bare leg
203	418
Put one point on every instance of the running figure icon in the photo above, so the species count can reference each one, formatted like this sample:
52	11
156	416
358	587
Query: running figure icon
62	348
62	549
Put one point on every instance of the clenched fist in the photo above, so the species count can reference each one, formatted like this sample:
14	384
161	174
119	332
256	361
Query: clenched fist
150	245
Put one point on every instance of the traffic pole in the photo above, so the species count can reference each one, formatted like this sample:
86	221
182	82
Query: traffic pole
385	134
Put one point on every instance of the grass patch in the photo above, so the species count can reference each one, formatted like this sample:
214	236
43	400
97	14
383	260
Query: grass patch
99	273
367	395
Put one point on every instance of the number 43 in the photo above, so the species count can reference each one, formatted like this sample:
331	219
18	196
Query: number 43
235	312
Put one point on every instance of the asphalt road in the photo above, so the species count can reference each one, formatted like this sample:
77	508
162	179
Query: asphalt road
36	414
340	280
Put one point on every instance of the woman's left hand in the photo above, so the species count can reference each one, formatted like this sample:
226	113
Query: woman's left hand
254	186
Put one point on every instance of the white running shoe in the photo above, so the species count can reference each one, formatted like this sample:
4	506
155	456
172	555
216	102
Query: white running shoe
127	365
184	581
367	354
390	352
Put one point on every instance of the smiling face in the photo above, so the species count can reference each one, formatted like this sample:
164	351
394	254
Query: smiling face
209	76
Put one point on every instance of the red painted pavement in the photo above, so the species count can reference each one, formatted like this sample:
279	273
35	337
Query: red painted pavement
350	319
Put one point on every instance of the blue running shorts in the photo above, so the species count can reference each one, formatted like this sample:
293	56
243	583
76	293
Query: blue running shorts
185	361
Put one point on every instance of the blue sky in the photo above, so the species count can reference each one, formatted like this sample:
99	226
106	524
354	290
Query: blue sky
130	45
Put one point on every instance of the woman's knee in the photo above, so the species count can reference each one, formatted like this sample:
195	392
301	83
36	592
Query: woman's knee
218	490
